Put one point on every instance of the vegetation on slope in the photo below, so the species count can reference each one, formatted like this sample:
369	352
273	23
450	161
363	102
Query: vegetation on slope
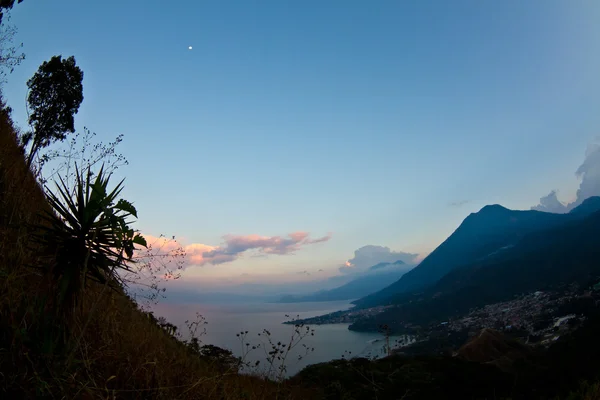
107	347
490	366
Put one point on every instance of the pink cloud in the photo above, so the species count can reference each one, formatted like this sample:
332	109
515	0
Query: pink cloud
197	255
233	247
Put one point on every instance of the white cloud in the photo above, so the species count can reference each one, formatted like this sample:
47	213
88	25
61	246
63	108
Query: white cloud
588	173
370	255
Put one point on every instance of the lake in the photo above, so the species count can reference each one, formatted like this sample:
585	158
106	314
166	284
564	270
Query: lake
226	320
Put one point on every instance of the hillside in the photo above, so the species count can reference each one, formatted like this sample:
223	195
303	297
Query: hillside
109	348
487	233
540	260
493	347
378	277
490	366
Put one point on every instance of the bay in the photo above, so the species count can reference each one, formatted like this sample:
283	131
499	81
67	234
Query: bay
225	321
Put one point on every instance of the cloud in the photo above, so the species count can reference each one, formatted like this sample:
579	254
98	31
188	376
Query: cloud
194	253
550	203
589	175
458	203
368	256
234	246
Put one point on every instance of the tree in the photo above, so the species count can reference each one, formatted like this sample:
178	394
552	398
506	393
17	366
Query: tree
55	94
223	358
10	55
6	5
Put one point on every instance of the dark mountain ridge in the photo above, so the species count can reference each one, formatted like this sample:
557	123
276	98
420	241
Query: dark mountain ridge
543	260
484	235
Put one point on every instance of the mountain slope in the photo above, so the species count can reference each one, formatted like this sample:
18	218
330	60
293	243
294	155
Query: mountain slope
587	207
378	277
561	254
122	350
540	261
488	233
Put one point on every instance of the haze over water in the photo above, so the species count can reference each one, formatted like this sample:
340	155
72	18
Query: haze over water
225	320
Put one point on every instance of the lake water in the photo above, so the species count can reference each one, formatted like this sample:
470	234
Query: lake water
226	320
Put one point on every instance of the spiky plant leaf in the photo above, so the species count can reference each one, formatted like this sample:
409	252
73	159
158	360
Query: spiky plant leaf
91	233
139	239
127	207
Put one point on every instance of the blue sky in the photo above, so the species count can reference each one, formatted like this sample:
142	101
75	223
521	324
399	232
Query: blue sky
366	120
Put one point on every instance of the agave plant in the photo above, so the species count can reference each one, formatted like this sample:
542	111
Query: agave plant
90	231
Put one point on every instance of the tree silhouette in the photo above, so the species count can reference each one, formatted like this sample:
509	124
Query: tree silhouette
10	55
6	5
55	94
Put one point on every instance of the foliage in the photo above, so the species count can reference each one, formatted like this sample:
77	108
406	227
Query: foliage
122	354
55	94
6	5
586	391
277	353
84	151
91	233
507	369
398	377
223	358
10	55
162	260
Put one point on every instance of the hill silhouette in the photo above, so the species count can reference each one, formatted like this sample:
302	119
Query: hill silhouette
487	234
541	260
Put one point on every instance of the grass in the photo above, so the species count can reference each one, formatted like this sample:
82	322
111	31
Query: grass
122	353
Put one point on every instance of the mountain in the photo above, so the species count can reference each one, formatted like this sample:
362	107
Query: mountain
558	255
490	232
377	277
587	207
542	260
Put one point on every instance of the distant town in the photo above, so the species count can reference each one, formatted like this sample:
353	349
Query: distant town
540	317
341	317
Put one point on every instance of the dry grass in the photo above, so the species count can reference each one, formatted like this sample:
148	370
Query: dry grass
122	354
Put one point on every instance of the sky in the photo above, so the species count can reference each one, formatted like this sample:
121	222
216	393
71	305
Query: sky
293	134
